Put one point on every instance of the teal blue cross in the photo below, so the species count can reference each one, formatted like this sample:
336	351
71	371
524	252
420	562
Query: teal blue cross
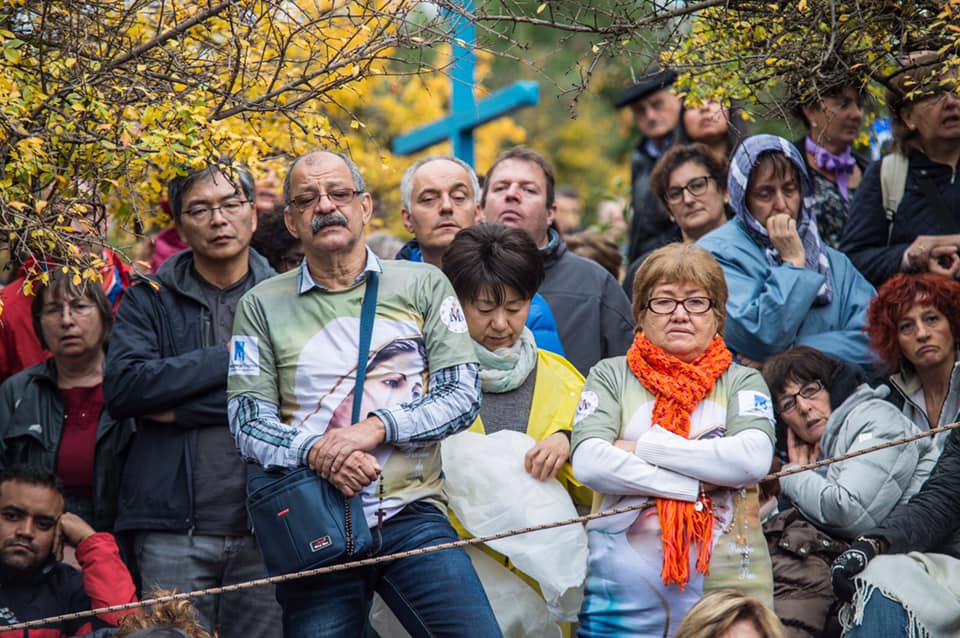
466	113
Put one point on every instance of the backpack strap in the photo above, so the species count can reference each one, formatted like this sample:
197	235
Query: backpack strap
893	182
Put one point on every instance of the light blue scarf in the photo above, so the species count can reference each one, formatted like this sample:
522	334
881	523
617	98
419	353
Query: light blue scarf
506	369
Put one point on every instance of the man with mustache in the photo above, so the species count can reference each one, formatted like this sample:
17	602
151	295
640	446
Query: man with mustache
440	196
183	492
294	337
34	584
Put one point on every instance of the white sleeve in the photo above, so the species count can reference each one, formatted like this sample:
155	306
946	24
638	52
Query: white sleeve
607	469
733	461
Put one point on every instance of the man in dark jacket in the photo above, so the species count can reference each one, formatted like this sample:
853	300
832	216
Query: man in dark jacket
34	584
183	486
656	109
592	312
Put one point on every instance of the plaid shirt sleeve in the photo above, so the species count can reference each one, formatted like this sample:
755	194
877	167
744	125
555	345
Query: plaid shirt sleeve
450	406
261	435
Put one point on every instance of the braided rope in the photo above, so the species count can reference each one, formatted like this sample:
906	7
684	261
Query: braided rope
366	562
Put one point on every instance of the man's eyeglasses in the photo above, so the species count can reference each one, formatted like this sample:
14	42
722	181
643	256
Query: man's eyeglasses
789	402
229	208
339	197
696	186
666	305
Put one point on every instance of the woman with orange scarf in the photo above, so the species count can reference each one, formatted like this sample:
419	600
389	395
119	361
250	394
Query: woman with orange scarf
679	431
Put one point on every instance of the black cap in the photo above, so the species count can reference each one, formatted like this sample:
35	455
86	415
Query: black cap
648	84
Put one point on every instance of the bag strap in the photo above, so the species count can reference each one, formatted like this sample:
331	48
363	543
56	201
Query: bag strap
367	314
935	199
893	182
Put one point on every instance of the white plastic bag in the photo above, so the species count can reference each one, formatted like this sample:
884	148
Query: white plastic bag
490	492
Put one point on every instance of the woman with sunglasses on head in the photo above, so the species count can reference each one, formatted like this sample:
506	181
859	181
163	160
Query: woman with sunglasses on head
824	409
786	287
691	186
920	231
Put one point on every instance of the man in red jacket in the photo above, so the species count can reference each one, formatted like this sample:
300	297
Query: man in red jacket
33	582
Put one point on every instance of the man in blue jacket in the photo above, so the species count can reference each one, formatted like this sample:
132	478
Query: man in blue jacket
184	482
440	196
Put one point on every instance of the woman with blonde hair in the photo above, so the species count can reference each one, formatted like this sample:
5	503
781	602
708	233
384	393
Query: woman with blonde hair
728	613
680	432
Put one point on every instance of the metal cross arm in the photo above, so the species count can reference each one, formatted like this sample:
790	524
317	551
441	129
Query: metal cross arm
500	103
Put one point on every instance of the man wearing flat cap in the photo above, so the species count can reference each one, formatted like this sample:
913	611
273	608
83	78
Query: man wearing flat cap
657	111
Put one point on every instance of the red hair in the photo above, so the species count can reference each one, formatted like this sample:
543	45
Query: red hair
895	298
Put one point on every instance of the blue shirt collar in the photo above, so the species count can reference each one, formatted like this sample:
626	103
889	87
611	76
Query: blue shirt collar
307	283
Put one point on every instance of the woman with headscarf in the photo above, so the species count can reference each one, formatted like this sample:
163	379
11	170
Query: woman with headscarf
786	287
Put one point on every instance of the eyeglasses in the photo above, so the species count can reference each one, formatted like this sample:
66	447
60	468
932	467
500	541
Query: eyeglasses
77	308
229	208
696	186
666	305
789	402
339	197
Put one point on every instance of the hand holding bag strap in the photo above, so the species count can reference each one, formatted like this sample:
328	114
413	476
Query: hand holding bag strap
368	312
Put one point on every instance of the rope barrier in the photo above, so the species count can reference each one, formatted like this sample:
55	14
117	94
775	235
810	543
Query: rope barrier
366	562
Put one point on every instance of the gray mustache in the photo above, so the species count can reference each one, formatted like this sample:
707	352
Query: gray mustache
336	218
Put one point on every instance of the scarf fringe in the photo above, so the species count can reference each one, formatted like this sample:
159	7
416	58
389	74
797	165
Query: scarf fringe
851	614
679	387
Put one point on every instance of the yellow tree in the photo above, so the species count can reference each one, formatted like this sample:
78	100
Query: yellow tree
102	102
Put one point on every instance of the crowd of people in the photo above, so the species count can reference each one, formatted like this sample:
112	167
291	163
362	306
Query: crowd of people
779	306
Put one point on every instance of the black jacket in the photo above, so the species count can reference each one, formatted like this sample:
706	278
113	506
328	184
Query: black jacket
161	358
648	223
593	315
930	520
31	427
864	238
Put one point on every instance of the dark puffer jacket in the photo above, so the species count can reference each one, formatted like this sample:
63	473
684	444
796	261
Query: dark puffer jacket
801	555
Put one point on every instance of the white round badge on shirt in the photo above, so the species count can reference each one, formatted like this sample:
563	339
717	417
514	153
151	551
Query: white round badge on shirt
451	314
587	406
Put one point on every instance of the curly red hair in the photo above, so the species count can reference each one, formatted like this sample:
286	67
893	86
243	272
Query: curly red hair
895	298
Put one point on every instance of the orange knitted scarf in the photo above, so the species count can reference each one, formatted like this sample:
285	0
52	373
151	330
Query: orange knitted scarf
679	387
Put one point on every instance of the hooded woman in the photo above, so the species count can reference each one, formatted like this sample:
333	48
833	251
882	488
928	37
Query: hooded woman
786	286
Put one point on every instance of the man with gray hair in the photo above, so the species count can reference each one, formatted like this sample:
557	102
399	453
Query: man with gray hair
291	385
441	196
